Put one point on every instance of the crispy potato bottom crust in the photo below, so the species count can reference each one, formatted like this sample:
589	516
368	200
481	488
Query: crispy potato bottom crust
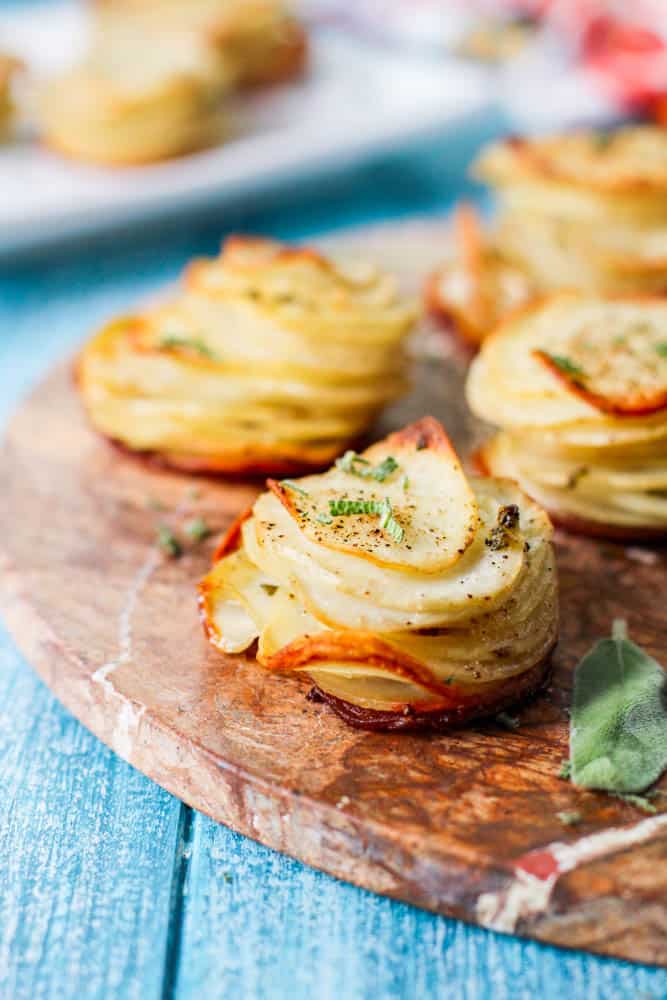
506	694
257	465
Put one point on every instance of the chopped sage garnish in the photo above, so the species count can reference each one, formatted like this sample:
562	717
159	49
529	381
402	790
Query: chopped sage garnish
388	522
357	465
197	529
642	802
291	485
168	542
380	508
602	139
342	508
564	364
662	349
172	341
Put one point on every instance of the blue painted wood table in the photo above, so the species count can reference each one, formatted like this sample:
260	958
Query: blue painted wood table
111	888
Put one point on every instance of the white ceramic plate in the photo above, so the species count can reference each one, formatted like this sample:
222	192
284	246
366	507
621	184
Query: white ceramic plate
357	100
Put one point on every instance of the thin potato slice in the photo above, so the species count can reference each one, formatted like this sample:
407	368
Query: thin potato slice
508	385
569	356
338	588
426	489
612	354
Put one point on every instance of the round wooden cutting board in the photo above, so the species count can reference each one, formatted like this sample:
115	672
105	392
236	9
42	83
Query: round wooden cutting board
465	824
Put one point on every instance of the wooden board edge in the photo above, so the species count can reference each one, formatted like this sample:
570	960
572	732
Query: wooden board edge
324	837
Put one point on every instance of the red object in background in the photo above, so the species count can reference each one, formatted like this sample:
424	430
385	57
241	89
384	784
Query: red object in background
629	60
623	46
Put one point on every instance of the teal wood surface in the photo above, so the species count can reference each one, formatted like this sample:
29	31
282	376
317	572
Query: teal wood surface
109	887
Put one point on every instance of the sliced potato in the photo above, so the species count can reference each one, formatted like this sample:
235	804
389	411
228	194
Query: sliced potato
579	386
596	496
305	291
396	599
612	354
462	639
474	291
422	486
568	356
272	359
584	210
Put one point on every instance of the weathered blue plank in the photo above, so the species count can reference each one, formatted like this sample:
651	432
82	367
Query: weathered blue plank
87	850
258	925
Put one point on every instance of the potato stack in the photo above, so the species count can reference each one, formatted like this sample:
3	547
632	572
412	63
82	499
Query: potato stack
155	80
585	211
135	102
271	359
578	385
411	596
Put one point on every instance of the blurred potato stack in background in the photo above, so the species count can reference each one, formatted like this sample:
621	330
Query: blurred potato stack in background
154	81
585	210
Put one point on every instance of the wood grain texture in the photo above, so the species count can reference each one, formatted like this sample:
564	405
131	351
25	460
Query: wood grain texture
226	917
442	822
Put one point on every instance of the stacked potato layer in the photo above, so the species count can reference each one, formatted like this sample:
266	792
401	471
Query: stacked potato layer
585	211
579	386
270	360
407	593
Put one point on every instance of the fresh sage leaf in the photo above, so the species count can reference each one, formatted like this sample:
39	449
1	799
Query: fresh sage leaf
618	727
